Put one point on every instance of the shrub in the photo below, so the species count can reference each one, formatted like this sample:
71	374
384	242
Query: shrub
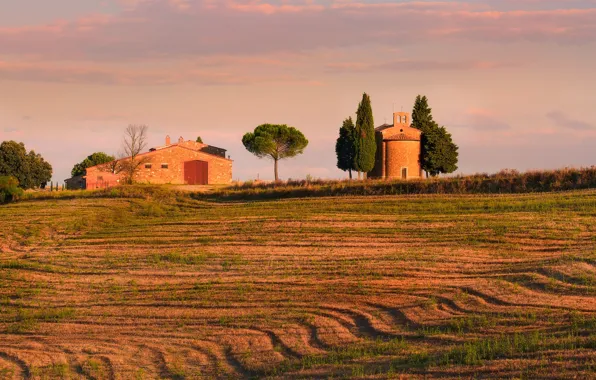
506	181
9	189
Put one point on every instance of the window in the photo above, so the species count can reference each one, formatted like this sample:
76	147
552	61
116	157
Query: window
147	166
164	166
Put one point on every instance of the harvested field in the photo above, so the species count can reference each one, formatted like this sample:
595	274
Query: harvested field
171	287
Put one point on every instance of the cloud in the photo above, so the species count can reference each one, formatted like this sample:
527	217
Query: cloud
415	65
192	28
484	120
105	74
563	121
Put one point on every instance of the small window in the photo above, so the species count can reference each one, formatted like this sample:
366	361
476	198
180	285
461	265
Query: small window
147	166
164	166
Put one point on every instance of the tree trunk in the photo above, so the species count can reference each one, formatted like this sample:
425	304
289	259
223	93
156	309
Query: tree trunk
358	174
350	171
275	170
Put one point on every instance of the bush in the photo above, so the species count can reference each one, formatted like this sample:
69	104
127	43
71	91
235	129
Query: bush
9	189
504	182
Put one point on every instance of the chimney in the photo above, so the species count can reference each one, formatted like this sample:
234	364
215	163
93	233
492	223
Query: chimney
400	118
180	140
168	141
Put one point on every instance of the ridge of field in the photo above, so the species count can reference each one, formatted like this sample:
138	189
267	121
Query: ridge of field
503	182
161	285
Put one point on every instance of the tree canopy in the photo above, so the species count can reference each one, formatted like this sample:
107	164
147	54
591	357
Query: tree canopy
96	158
365	142
275	141
439	153
30	169
344	146
199	139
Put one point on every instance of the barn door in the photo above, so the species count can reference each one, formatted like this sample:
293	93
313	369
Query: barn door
203	172
404	173
196	172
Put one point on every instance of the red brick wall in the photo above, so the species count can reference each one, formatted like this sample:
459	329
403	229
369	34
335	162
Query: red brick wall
392	156
402	154
220	169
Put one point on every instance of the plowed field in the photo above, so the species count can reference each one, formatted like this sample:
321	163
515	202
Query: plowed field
347	287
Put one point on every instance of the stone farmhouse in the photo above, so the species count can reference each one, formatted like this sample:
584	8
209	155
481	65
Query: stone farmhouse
398	150
182	163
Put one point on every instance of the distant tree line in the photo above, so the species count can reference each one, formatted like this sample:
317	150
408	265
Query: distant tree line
356	146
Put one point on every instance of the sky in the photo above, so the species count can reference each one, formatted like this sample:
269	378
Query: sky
512	80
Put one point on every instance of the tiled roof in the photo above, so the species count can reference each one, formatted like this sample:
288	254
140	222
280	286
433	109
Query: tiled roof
399	133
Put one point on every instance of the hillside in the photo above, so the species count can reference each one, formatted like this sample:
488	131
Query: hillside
161	285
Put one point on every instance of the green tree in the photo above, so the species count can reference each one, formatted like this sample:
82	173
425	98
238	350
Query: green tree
40	171
30	169
344	146
365	141
275	141
9	189
439	154
96	158
199	140
422	117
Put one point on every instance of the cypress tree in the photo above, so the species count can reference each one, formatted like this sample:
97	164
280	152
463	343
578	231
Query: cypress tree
422	117
344	146
365	141
438	154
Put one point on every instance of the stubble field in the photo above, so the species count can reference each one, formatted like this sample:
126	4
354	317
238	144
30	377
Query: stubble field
347	287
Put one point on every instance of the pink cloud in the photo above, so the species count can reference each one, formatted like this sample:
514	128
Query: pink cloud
86	72
415	65
184	28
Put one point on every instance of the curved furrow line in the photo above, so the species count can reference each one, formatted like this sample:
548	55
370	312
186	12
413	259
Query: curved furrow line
572	280
398	316
216	356
498	302
314	340
550	285
324	327
160	363
235	364
253	349
364	324
109	366
20	364
286	350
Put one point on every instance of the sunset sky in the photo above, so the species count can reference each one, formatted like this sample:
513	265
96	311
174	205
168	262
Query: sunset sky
514	81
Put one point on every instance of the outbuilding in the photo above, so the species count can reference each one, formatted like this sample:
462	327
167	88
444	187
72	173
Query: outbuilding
182	163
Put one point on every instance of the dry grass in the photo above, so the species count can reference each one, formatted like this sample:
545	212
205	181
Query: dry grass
158	285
